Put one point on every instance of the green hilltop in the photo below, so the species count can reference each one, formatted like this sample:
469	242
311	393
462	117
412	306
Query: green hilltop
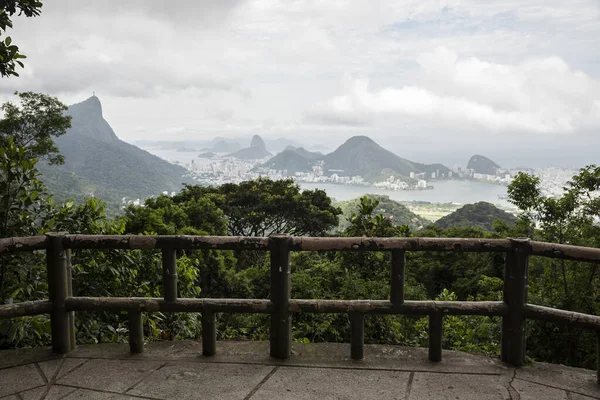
481	215
387	207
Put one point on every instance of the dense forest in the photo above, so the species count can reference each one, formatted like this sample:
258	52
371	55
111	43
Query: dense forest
263	207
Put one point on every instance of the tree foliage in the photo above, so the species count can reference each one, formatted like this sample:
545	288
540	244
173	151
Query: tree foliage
10	55
33	124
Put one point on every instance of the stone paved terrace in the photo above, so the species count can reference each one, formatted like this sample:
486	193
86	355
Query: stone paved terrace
243	370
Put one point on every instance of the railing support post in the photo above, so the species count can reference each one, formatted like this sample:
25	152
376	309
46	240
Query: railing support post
72	338
169	262
397	279
516	281
281	281
435	336
56	261
357	328
598	357
209	333
136	332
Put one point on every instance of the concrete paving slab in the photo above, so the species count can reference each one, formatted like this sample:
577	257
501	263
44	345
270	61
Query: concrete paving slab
578	380
109	375
575	396
15	357
95	395
53	393
54	369
393	357
298	383
433	386
187	380
19	379
533	391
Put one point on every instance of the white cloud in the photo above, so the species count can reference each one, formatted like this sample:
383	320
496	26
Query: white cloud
502	65
536	95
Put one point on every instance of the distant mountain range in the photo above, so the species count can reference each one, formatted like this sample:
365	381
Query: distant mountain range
98	163
482	165
481	215
359	155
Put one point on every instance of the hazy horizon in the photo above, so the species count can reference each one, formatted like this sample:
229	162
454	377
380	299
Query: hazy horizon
431	81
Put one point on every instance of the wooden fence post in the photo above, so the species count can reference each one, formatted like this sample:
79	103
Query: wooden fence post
56	261
357	328
397	278
136	332
72	338
435	336
516	281
209	333
281	280
169	262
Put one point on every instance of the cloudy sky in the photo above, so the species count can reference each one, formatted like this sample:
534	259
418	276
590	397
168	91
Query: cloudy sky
417	75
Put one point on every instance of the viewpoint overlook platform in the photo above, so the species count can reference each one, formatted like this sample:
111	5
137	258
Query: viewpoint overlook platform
281	368
244	370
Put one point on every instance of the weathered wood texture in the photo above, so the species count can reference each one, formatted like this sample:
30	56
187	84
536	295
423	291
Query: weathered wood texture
281	290
564	251
514	309
56	261
516	275
25	308
18	244
562	316
136	332
147	304
209	333
397	277
165	242
411	244
357	340
486	308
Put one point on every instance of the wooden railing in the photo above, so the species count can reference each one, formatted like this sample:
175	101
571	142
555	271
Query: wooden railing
514	309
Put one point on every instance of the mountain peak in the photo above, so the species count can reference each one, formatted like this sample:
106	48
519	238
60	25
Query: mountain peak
482	165
257	142
87	119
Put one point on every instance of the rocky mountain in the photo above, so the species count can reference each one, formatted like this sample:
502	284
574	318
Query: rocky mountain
482	165
360	155
98	163
481	215
400	214
257	150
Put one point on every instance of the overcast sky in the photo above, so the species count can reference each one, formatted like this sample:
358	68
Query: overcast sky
433	70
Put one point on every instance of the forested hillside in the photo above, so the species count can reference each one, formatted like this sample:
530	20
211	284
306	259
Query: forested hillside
481	215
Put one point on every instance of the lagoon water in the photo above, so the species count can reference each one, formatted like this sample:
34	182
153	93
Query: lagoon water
455	191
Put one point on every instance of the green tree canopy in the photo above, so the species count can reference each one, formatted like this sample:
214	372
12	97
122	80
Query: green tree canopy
263	207
33	124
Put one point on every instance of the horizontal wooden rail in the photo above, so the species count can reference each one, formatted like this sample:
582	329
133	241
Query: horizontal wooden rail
25	308
490	308
143	242
564	252
562	316
20	244
145	304
410	244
